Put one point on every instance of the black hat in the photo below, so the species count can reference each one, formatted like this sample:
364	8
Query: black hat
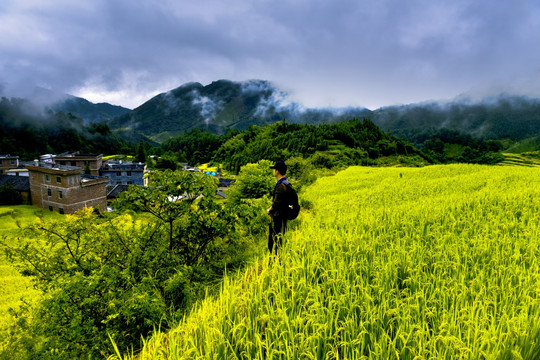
281	167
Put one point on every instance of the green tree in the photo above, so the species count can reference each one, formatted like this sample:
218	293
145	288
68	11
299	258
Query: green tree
141	153
253	182
185	202
301	172
166	163
124	274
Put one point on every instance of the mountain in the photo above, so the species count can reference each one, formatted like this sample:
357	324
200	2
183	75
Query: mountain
498	117
226	105
219	106
88	111
29	130
40	100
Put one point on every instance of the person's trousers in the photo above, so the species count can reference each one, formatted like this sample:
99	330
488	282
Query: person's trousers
277	228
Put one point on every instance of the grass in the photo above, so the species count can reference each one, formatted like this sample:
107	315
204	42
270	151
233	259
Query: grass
13	286
439	262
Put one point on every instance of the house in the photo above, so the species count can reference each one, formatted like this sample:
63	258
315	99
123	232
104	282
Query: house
124	173
21	184
91	162
64	189
8	162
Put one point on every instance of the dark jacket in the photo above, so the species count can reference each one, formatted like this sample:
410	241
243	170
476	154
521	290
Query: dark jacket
279	198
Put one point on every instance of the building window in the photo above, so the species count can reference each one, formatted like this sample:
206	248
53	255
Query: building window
61	210
118	173
60	194
49	192
62	163
50	208
12	162
119	182
73	163
47	177
130	182
59	179
128	173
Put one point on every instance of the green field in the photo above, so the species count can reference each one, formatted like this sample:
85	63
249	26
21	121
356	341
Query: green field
439	262
524	159
13	286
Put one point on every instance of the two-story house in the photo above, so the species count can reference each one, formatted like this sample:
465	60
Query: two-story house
91	162
65	189
121	173
8	162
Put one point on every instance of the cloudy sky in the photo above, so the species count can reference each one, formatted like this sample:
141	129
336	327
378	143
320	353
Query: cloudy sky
322	52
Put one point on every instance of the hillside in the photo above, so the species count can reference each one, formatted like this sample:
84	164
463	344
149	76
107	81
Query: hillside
466	127
219	106
29	130
225	104
88	111
498	117
524	159
39	100
437	262
342	144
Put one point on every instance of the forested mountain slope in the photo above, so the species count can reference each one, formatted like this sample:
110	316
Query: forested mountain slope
219	106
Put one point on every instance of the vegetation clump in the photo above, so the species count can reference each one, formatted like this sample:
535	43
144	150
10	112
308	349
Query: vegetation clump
120	275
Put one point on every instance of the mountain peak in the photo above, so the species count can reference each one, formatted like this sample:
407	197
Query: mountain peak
220	105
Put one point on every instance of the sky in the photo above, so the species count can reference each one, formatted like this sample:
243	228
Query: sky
338	53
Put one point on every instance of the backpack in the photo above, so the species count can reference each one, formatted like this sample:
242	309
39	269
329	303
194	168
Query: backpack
293	208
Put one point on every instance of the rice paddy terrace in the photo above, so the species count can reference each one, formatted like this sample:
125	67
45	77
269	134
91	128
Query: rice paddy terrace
440	262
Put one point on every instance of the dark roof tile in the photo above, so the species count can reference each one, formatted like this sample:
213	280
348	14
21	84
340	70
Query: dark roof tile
19	183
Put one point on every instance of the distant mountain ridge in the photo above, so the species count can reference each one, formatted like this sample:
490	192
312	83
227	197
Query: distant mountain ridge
225	104
219	106
497	117
40	100
88	111
29	130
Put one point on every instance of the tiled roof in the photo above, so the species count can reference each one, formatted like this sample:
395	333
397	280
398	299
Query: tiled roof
19	183
226	182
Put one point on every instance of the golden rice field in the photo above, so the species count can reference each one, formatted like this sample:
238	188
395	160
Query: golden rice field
440	262
437	262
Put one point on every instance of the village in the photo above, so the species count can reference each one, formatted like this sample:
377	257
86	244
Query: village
68	182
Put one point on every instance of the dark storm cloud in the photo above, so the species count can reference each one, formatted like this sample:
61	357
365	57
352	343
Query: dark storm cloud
341	52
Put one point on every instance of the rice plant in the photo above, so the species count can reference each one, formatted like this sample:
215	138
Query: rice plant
440	262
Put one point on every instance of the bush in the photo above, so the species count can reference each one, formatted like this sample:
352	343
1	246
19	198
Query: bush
253	182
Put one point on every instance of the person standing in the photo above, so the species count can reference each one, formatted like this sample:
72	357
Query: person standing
277	212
